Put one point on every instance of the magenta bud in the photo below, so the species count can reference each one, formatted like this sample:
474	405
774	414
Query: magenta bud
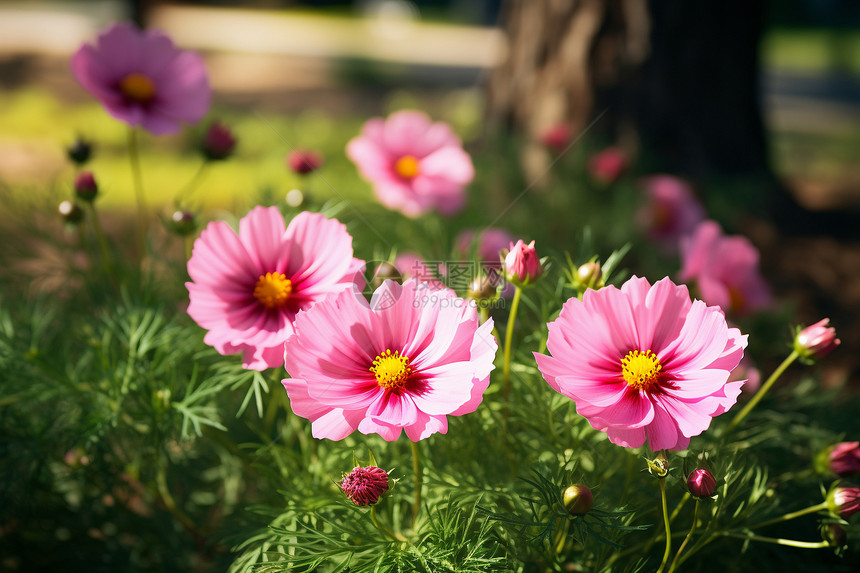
183	222
364	486
608	165
218	143
843	501
844	459
557	137
86	187
578	499
816	341
304	161
701	483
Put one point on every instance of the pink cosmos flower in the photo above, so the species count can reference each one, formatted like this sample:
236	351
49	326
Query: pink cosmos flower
414	165
725	269
671	210
405	361
644	362
142	79
246	289
844	459
608	165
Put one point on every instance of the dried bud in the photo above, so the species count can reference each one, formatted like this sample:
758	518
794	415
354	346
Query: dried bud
304	161
590	276
71	212
816	341
843	459
659	466
183	222
522	266
86	187
364	486
578	499
218	143
701	483
80	151
383	272
843	501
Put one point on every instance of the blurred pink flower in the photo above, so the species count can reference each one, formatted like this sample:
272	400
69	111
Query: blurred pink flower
304	161
218	143
142	79
725	269
490	243
246	289
411	264
608	165
557	137
414	165
844	459
644	362
671	210
403	362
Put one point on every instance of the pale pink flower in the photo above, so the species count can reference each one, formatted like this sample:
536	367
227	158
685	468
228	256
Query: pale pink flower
670	211
405	361
142	79
725	269
414	165
844	459
644	362
246	289
608	165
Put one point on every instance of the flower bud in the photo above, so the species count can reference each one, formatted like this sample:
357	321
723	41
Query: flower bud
218	143
589	276
659	466
816	341
364	486
71	212
183	222
701	483
482	289
304	161
834	534
80	151
608	165
385	271
522	266
843	459
578	499
843	501
557	137
86	187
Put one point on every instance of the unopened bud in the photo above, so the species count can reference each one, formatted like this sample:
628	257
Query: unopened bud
364	486
834	534
218	143
522	266
843	501
80	151
701	483
86	187
590	276
578	499
658	467
183	222
303	161
385	271
71	212
482	289
816	341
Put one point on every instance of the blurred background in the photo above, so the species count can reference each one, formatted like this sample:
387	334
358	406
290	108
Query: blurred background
756	102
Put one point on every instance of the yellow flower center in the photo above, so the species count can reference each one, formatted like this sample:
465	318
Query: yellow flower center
391	370
640	369
273	290
407	167
137	87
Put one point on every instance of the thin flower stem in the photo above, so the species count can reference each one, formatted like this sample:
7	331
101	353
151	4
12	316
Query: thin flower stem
183	194
100	237
666	523
678	507
419	480
792	515
483	313
167	498
134	159
686	539
509	335
780	541
762	391
383	528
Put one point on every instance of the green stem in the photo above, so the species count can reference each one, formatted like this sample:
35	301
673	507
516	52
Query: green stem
483	313
806	511
419	480
680	505
509	335
781	541
191	186
668	527
167	498
100	237
762	391
134	159
383	528
686	539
